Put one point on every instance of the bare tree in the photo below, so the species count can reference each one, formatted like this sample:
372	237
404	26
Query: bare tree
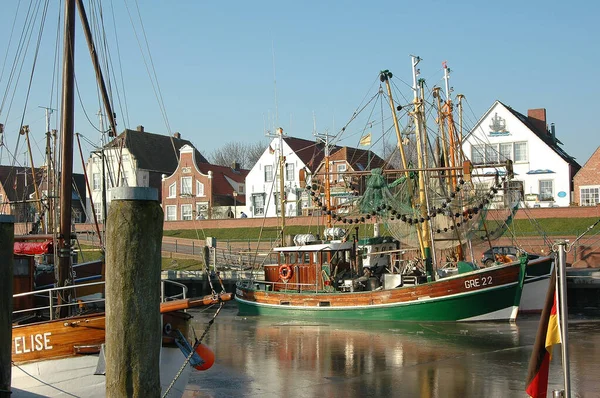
238	152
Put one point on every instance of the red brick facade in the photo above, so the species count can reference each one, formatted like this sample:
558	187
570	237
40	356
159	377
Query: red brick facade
588	175
187	201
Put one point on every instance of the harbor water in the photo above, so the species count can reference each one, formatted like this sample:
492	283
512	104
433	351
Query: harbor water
273	357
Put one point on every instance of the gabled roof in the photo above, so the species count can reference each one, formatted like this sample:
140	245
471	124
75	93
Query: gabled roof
154	152
595	155
542	135
359	159
220	176
310	152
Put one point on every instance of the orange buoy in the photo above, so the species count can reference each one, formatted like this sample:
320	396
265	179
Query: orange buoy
207	355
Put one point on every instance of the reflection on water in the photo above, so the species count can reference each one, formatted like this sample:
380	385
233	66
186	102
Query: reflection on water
259	356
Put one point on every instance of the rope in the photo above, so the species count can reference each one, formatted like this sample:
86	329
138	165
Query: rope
570	246
196	344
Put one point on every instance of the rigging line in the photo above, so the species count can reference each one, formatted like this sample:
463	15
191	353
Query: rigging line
122	105
20	54
12	30
37	49
585	232
153	69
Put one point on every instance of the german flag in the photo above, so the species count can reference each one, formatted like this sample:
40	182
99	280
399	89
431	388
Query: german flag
548	335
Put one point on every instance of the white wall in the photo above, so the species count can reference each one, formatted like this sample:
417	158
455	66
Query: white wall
256	184
539	156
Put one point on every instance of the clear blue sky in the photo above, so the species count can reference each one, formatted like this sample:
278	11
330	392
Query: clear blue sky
216	62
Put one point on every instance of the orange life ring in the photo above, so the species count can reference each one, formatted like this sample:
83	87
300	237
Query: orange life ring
285	272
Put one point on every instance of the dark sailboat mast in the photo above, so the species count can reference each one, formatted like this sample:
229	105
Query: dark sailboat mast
66	130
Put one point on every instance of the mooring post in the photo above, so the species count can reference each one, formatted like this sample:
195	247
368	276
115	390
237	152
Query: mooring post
134	229
7	242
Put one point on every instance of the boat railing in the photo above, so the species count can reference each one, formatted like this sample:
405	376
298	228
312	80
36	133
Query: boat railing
49	299
282	286
163	289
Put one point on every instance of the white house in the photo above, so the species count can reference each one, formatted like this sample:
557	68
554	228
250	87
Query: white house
135	158
301	158
542	168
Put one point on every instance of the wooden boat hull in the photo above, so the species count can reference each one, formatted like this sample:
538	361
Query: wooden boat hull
490	294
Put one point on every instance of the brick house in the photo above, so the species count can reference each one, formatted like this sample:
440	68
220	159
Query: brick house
200	190
139	158
587	182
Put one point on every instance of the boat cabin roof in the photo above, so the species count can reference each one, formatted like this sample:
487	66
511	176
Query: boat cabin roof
330	246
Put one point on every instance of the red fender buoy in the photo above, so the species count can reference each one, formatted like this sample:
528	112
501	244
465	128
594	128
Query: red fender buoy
207	355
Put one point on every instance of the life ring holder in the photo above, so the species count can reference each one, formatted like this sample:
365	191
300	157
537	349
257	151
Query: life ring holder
285	272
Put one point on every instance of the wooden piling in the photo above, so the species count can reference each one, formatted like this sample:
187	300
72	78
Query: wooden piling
133	264
7	242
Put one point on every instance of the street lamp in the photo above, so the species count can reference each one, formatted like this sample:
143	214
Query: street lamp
235	194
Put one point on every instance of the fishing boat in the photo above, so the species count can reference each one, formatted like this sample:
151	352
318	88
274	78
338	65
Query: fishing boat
436	206
58	333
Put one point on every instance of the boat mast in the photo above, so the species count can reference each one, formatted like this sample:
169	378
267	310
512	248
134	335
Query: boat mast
451	129
67	130
38	203
385	77
418	116
281	182
325	139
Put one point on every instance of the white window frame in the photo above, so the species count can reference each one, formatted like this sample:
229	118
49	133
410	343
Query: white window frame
289	171
258	211
268	173
202	208
172	190
186	185
186	212
545	197
199	188
478	154
594	197
525	157
171	213
506	151
96	183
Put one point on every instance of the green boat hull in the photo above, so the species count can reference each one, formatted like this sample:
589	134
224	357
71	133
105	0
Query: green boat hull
482	305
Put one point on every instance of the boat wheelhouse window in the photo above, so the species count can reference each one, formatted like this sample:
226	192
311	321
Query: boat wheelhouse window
324	257
546	190
305	257
289	171
186	185
20	266
186	212
520	152
173	190
171	213
268	173
589	196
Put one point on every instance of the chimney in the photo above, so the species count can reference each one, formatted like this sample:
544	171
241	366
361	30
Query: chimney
177	135
537	117
140	128
552	132
235	166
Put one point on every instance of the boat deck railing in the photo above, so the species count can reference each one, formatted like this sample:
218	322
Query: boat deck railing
283	287
46	301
